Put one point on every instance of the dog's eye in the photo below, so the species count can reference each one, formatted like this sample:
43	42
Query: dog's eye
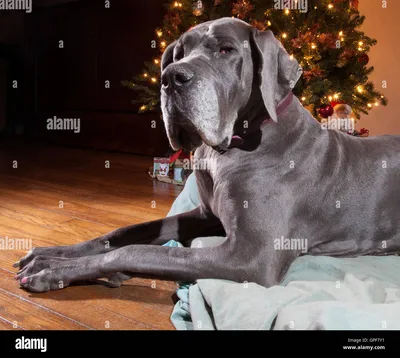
226	49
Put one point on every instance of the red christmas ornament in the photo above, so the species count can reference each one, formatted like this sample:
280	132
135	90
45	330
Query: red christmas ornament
326	111
334	103
363	59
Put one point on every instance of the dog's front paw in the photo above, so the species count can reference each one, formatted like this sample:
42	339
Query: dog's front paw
45	273
53	251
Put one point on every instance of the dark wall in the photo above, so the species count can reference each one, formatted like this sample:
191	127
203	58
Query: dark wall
3	89
100	44
12	48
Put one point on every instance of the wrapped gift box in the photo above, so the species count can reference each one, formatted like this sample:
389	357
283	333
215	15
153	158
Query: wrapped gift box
160	166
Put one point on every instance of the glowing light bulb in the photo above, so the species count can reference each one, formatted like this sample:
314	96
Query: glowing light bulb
284	35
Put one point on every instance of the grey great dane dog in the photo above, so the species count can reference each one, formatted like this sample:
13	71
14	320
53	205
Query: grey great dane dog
276	175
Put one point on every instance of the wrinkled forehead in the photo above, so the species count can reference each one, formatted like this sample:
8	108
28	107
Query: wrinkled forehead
234	31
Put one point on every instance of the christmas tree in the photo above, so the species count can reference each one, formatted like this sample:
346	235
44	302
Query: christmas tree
323	36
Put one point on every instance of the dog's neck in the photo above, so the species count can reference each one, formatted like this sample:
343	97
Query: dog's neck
253	112
256	118
291	117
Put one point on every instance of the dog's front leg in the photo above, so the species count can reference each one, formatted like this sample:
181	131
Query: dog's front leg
182	227
172	263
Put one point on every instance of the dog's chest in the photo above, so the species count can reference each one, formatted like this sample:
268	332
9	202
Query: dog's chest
219	178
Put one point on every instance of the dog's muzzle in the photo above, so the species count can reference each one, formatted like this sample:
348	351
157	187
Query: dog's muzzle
177	77
176	82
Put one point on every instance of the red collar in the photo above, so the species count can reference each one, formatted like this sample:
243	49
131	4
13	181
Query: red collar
238	140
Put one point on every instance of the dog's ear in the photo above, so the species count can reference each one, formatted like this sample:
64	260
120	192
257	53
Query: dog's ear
168	55
278	71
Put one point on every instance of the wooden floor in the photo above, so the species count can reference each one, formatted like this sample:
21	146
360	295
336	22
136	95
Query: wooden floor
95	201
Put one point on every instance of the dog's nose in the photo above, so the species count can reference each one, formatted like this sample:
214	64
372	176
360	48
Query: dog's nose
176	76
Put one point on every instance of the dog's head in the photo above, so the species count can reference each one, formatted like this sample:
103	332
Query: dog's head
216	71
